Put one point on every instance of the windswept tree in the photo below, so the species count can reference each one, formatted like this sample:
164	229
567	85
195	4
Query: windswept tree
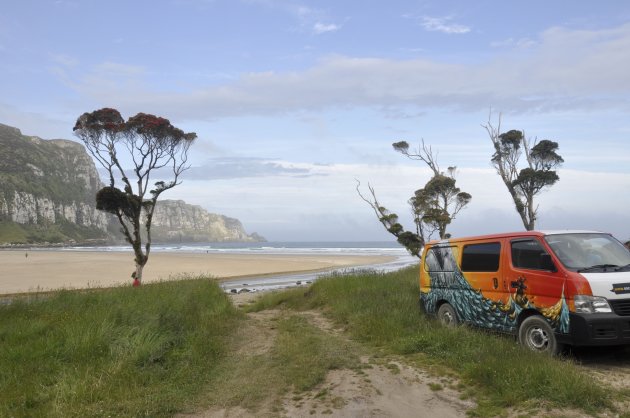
433	207
132	152
538	173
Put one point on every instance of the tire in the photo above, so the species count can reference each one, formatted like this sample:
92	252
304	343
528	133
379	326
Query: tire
446	315
536	334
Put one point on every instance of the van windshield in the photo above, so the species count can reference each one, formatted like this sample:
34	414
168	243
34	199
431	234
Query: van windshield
590	252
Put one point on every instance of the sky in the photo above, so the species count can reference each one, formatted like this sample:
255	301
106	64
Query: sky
294	102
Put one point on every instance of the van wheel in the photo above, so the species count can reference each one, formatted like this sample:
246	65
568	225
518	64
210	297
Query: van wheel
446	315
536	334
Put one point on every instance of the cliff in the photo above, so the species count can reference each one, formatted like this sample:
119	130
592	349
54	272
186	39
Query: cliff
177	221
47	190
47	195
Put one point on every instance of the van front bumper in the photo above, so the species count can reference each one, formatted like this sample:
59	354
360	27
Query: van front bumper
597	329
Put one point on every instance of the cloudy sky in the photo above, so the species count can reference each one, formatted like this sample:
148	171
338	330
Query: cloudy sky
294	100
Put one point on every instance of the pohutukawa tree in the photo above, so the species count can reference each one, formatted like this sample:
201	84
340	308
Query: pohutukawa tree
541	159
131	152
433	207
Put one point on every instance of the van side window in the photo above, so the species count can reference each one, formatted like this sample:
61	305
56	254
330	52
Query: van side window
439	259
481	257
526	254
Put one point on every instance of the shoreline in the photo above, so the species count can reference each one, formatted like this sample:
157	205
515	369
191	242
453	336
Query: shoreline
48	270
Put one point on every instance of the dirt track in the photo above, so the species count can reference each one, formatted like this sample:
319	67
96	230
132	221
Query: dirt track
395	389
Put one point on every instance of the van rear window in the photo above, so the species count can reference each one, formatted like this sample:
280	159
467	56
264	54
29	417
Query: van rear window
481	257
440	259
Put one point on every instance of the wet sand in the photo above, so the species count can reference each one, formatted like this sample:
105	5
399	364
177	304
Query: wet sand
46	270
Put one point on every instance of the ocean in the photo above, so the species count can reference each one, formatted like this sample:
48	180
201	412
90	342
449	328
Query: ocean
327	247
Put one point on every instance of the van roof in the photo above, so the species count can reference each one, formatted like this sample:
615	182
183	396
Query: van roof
514	234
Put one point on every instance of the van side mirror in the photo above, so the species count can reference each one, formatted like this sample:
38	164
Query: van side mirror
546	263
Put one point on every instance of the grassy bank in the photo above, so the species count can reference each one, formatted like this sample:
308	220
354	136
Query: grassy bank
147	351
182	346
382	311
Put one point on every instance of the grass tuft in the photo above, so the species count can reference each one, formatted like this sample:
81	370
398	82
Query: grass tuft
120	352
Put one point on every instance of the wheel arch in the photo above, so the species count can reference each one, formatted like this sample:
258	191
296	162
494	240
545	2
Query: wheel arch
526	313
441	302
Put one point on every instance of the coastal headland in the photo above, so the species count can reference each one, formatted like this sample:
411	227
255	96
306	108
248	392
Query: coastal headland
25	271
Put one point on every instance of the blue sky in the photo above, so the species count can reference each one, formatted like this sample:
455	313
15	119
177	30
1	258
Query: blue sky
294	100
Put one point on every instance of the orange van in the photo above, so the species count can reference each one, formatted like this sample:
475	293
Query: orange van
549	288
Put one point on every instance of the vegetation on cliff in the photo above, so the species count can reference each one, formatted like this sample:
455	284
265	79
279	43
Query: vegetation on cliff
47	191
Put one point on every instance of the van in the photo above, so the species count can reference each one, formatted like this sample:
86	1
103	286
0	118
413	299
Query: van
551	288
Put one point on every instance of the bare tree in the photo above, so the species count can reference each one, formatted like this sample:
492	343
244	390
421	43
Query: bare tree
433	207
148	143
412	241
523	184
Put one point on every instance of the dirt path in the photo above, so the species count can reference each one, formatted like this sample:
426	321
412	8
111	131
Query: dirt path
383	388
387	387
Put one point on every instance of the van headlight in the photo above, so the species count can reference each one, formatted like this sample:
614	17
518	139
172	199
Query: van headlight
591	304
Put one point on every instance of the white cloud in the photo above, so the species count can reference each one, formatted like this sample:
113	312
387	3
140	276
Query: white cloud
320	28
303	11
233	168
443	24
310	19
514	43
325	205
566	69
64	60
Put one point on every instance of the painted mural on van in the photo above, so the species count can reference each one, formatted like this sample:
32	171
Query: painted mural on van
448	282
550	288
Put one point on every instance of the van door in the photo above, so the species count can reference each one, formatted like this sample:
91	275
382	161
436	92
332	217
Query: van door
481	266
534	283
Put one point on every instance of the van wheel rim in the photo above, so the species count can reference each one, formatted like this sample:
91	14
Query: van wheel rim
447	318
537	338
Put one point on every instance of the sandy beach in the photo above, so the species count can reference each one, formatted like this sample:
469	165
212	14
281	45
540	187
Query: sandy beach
45	270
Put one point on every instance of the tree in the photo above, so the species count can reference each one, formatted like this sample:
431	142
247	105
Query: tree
148	143
433	207
525	184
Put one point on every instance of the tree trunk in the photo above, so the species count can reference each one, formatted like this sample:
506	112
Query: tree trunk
141	260
518	204
531	212
139	268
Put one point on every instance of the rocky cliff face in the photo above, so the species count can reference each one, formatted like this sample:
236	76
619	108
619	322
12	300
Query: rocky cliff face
175	220
47	190
47	194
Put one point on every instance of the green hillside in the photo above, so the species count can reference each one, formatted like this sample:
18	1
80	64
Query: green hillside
52	178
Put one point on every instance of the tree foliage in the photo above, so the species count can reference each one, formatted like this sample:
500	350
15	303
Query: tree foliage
133	152
433	207
538	173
